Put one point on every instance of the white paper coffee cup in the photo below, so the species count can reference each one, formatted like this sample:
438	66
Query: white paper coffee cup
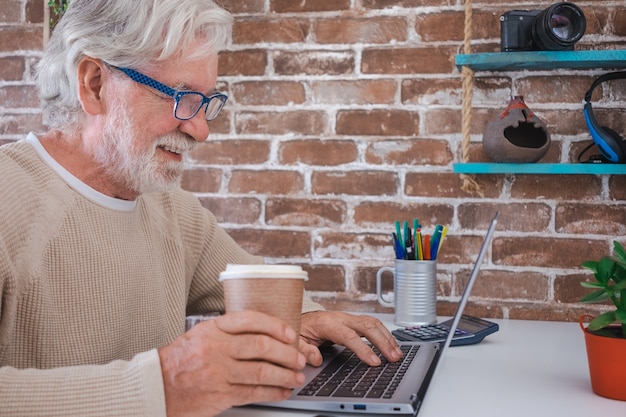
276	290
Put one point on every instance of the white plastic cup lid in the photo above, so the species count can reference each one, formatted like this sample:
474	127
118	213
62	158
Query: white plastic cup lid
234	271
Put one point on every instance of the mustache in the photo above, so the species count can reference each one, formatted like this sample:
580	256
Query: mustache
178	142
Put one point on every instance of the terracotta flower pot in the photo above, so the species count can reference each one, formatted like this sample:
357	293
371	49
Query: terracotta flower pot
607	364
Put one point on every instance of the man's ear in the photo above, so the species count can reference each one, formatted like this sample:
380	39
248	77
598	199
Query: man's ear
90	85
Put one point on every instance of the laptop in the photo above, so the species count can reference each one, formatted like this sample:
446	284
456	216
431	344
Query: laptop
390	389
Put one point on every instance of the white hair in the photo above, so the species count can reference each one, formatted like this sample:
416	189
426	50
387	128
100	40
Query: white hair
125	33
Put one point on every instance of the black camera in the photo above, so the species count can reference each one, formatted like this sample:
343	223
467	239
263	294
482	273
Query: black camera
556	28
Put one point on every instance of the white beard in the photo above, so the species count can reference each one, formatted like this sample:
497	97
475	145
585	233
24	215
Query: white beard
136	169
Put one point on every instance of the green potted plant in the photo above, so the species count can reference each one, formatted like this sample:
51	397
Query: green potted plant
605	336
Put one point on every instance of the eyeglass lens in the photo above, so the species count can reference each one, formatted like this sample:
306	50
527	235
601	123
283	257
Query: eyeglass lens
190	103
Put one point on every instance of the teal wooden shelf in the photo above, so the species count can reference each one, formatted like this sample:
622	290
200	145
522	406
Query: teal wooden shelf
537	168
541	60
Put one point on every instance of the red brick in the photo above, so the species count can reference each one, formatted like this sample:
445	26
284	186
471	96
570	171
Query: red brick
519	217
354	183
546	252
403	60
234	210
432	91
377	122
305	212
277	93
222	123
459	248
492	91
265	182
273	243
449	26
20	124
383	4
202	180
562	187
330	245
287	6
354	92
371	30
591	218
243	6
318	152
617	185
231	152
282	123
11	11
245	62
409	152
507	285
313	62
619	25
385	213
442	122
365	280
565	122
330	278
567	288
258	30
423	184
21	38
604	21
542	89
12	68
34	11
24	96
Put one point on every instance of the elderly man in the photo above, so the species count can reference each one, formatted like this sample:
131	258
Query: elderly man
102	255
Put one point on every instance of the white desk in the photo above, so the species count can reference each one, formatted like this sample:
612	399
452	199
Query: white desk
527	368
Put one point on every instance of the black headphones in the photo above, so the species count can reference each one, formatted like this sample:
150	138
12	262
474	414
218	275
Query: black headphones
611	144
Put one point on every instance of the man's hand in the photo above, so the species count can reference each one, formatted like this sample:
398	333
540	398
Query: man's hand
346	329
235	359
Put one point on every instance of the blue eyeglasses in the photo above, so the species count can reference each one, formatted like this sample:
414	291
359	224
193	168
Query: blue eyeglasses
188	103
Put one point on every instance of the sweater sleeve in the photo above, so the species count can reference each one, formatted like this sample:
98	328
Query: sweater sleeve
120	388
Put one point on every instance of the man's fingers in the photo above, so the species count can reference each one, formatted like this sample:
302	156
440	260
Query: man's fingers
259	373
255	322
252	347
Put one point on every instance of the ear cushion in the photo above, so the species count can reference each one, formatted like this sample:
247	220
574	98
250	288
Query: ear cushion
611	144
616	142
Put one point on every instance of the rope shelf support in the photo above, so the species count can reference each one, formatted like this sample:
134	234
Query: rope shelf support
467	76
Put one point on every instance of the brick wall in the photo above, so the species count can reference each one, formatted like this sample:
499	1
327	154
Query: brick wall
345	115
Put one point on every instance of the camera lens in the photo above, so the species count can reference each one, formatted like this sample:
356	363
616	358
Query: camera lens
559	27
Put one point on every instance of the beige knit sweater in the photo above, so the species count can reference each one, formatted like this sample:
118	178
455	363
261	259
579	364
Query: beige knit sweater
90	286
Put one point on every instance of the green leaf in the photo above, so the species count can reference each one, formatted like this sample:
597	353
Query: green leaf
606	267
620	315
619	250
602	320
595	297
620	274
619	286
592	265
591	284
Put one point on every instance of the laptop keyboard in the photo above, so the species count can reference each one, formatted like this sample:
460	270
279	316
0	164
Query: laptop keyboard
348	376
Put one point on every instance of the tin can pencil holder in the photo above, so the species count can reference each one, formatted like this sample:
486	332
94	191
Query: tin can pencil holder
414	292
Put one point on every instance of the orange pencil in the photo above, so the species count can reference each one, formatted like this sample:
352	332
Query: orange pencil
427	247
